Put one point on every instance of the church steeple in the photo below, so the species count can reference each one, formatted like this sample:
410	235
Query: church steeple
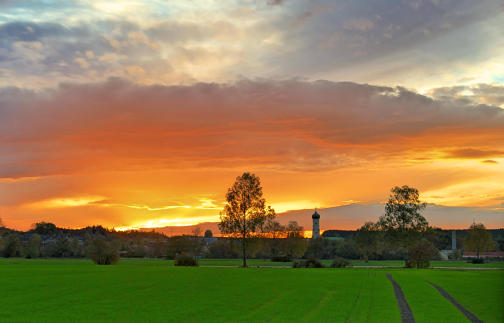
316	226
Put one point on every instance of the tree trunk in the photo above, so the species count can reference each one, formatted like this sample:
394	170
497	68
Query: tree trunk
243	240
243	251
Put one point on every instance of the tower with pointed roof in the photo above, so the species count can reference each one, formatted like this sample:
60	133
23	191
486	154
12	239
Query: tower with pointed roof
316	226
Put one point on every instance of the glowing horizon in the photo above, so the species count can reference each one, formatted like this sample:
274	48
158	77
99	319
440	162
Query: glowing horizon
142	113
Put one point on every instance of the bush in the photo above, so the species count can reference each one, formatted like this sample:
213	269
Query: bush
185	260
421	254
309	263
477	260
103	252
281	259
340	263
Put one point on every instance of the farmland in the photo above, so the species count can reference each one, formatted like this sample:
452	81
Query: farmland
155	290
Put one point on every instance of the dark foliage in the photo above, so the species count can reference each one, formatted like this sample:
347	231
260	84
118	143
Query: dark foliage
103	252
281	259
338	234
224	248
421	254
12	246
33	247
185	260
340	263
309	263
183	245
477	260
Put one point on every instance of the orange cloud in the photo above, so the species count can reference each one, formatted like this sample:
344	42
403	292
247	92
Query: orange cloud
173	150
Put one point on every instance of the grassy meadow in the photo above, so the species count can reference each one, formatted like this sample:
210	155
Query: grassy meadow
155	290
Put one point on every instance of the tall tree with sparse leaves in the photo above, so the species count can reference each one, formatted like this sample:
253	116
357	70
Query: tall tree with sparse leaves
403	223
245	212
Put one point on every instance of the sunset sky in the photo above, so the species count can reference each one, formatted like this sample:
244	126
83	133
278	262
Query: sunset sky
142	113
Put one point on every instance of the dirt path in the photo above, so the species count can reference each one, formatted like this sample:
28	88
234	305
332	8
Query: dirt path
470	316
404	308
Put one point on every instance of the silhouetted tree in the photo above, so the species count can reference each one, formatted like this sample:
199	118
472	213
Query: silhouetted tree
276	232
179	245
208	233
33	247
223	248
368	239
46	228
245	211
294	242
402	221
103	252
13	247
478	239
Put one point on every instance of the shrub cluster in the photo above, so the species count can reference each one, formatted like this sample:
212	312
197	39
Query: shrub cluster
185	260
309	263
281	259
340	263
477	260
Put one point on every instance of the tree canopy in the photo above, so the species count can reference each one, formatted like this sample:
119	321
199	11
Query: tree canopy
403	222
245	211
367	239
478	239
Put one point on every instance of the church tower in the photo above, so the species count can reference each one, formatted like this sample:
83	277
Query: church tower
316	227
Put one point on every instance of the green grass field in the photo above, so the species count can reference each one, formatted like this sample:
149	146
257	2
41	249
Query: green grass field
155	290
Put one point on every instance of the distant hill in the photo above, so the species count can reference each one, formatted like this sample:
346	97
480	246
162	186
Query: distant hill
188	229
344	218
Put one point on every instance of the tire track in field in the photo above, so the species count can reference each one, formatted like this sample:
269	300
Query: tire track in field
404	308
268	303
470	316
371	298
356	300
320	304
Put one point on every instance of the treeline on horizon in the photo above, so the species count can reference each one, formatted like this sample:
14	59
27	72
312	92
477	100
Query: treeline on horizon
47	240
